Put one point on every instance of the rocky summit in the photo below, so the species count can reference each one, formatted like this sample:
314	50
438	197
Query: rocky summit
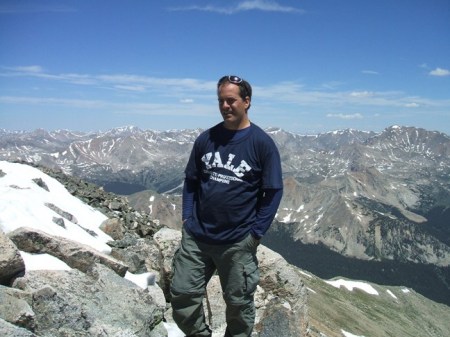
123	290
366	205
105	270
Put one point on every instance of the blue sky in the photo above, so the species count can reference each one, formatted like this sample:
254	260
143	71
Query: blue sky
315	65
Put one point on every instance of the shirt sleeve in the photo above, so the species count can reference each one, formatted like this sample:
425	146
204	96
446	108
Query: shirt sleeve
266	212
189	189
272	174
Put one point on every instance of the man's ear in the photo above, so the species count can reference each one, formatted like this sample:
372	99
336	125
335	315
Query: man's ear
248	102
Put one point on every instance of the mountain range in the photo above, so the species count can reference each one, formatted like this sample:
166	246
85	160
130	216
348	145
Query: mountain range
366	205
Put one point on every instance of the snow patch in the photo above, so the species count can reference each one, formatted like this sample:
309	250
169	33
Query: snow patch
350	285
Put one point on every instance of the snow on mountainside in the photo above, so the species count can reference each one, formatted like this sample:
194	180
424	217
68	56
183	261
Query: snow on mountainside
21	186
26	201
116	152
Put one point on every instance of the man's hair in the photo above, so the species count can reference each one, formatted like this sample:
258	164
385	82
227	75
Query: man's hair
245	89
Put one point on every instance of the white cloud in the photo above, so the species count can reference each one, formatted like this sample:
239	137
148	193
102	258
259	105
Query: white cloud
331	85
124	82
361	94
440	72
349	116
187	100
132	108
25	69
370	72
412	105
146	95
260	5
264	5
136	88
51	101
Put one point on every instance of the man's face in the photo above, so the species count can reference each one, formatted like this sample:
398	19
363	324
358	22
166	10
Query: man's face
232	107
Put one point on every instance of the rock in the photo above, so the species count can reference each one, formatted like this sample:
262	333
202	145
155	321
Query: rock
94	300
283	286
280	320
157	295
114	228
99	303
168	242
8	329
278	276
75	254
214	305
64	214
41	184
11	263
129	239
159	331
15	308
140	257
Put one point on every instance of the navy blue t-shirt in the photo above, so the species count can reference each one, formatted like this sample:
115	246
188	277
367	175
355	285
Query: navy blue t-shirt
230	174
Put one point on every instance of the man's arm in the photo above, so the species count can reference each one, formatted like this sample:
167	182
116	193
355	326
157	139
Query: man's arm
189	189
266	212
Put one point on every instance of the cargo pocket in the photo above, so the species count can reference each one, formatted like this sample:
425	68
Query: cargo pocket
251	277
177	251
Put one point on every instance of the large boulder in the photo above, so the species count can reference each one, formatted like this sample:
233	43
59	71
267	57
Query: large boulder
74	254
285	293
11	262
98	303
168	241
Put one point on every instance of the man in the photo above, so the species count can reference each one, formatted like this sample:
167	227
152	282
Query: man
232	190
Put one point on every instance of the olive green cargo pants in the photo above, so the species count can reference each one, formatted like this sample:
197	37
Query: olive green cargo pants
194	264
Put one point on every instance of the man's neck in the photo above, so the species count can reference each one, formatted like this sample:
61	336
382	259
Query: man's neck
240	126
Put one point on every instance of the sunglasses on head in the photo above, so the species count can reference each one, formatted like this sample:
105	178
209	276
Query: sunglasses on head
234	79
230	78
244	87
